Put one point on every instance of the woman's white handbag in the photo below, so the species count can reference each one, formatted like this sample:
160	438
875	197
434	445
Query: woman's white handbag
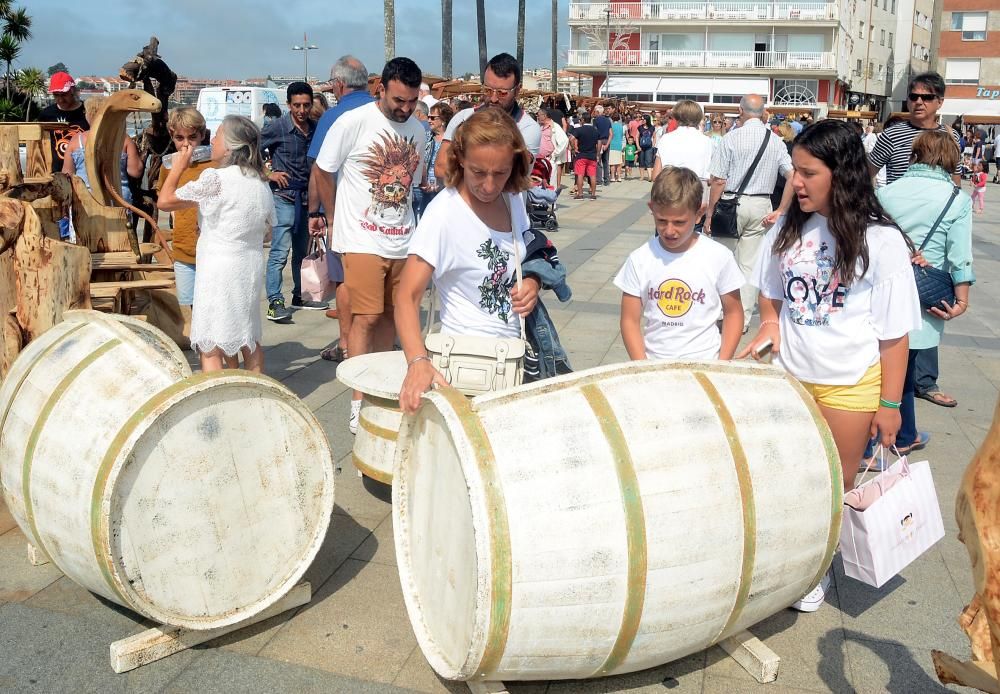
477	365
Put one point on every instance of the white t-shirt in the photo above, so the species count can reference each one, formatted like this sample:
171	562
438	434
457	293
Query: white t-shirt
830	333
474	266
531	131
378	160
681	296
687	148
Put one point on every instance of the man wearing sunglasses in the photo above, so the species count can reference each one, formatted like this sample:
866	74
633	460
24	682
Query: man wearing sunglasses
501	85
895	144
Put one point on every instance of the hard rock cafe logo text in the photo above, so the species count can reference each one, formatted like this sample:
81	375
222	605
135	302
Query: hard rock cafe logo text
675	298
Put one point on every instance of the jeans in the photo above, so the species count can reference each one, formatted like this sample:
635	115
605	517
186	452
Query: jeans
604	166
925	371
418	203
907	410
284	238
184	279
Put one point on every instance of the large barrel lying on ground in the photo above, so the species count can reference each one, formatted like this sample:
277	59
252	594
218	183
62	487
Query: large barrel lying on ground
197	501
611	520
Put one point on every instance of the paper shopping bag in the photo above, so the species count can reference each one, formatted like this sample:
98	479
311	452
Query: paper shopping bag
315	277
899	526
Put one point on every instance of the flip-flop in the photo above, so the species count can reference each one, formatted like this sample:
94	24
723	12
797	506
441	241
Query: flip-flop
923	438
938	398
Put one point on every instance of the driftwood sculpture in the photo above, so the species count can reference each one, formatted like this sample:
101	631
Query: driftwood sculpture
40	278
977	510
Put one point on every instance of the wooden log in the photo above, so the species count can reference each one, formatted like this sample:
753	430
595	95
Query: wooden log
11	224
979	674
39	161
52	277
160	642
10	157
753	656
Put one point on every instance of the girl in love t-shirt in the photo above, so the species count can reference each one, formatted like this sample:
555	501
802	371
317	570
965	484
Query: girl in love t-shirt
829	332
681	295
474	266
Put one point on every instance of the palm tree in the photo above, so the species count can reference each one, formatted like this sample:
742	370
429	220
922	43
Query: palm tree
446	38
481	27
17	23
520	33
10	50
555	44
9	111
31	82
390	30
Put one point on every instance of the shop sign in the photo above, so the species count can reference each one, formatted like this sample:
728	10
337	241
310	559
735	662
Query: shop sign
988	93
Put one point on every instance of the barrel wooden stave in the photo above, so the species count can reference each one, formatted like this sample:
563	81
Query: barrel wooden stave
375	443
581	601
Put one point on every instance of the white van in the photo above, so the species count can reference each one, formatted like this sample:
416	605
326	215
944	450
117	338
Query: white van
215	103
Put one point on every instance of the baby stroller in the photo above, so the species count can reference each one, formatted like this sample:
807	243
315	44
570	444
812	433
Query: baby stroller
541	198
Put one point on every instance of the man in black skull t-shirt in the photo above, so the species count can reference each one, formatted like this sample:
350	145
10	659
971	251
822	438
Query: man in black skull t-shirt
67	109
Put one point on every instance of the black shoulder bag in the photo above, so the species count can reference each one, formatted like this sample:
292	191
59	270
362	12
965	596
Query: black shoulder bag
724	217
934	285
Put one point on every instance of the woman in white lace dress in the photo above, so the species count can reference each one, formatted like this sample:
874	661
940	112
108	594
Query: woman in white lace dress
235	208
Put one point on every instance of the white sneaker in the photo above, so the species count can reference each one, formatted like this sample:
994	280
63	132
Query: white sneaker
813	600
352	423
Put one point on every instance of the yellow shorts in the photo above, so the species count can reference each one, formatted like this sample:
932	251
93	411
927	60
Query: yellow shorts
863	396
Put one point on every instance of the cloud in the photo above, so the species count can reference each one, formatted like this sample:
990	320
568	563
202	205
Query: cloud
250	38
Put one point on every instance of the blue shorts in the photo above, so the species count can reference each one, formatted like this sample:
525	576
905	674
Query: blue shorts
335	267
184	277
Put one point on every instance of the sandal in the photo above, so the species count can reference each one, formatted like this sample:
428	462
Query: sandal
334	353
938	398
923	438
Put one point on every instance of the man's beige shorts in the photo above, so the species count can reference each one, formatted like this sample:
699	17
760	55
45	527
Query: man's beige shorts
371	282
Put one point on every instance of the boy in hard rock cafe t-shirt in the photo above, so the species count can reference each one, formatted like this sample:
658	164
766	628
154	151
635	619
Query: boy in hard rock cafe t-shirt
678	281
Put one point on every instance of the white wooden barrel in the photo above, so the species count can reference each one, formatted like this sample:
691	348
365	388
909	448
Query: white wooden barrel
379	377
197	501
610	520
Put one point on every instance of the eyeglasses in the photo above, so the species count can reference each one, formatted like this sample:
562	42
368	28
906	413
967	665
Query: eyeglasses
914	96
717	122
433	117
499	93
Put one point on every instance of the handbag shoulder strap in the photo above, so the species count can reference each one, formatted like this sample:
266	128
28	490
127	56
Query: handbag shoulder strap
753	165
517	253
937	222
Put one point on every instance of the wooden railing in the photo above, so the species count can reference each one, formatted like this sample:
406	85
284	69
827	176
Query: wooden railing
763	60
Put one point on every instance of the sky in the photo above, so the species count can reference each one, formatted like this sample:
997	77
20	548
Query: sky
236	39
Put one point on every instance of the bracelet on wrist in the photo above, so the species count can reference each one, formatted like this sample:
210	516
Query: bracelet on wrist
773	322
889	404
316	215
422	357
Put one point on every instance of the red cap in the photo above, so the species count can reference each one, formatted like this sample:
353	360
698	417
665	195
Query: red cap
61	82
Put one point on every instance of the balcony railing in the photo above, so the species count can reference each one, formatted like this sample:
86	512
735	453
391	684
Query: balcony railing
802	10
743	60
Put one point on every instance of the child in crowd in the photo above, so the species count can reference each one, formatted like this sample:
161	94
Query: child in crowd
978	188
965	168
631	152
837	298
187	129
679	280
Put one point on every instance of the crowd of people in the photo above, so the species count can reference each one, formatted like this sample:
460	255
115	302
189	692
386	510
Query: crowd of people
820	228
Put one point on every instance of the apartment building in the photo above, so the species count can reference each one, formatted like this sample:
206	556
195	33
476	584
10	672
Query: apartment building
804	55
968	55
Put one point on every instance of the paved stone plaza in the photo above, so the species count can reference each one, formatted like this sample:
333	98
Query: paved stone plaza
355	636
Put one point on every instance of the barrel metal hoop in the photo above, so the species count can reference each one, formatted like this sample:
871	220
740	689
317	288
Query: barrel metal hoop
369	471
501	569
635	527
24	377
384	403
36	433
100	536
377	431
836	477
742	466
